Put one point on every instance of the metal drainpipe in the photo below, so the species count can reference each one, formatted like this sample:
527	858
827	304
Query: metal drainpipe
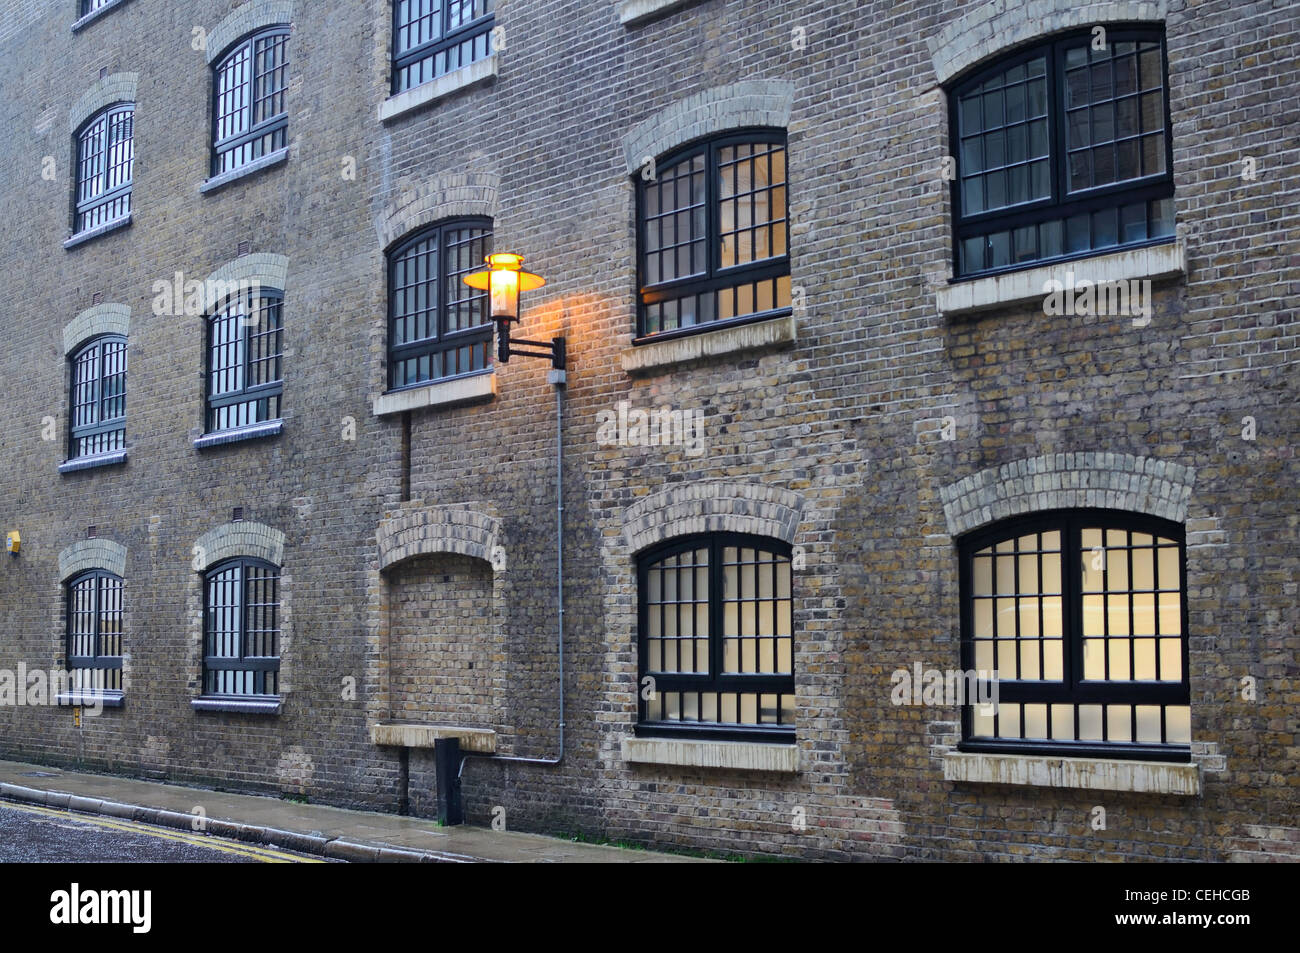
556	377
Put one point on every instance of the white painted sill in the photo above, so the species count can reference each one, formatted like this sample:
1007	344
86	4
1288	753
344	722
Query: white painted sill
268	428
734	755
1155	262
82	237
267	705
410	734
234	175
757	336
428	93
636	12
471	389
1084	774
108	698
110	459
94	15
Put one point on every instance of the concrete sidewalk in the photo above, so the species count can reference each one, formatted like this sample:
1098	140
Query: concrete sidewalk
308	828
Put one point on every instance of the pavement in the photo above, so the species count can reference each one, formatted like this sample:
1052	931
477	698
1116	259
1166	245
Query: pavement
358	836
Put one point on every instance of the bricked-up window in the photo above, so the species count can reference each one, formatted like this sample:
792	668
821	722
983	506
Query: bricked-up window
1082	616
94	611
1063	151
249	111
241	647
105	166
717	638
437	325
712	232
98	398
435	37
245	358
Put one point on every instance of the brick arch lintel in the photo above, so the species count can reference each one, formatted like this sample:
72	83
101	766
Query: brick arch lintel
1118	481
712	507
244	20
418	529
97	553
260	269
107	90
451	195
996	26
240	538
94	321
755	102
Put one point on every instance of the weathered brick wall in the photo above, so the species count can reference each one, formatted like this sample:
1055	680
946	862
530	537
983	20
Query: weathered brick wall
846	418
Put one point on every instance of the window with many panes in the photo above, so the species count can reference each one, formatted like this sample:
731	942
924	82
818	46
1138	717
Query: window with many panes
712	227
94	611
241	642
717	638
1081	615
87	7
98	398
1063	150
105	166
434	37
437	325
250	116
245	360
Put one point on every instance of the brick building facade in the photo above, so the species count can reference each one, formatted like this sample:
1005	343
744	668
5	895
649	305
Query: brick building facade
891	408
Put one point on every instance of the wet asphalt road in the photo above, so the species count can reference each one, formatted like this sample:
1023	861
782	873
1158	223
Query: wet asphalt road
43	835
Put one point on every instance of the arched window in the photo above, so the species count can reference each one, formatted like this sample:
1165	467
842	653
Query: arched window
241	640
1063	151
712	234
105	165
437	325
98	398
716	638
250	117
245	360
94	616
1082	616
434	37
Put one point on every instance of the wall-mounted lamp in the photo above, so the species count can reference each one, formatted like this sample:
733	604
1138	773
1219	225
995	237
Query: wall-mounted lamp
504	279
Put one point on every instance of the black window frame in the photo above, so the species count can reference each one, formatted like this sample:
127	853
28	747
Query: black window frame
1072	689
1058	204
716	277
480	335
86	7
448	39
257	665
717	680
97	661
279	123
117	424
84	208
247	393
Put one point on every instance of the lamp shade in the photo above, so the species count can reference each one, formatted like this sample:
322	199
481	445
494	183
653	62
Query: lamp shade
504	278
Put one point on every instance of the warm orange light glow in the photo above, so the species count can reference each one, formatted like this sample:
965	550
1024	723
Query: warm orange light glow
504	279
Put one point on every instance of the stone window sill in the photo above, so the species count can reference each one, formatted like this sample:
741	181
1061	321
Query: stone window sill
257	165
90	463
470	389
636	12
252	432
94	15
757	336
91	233
1087	774
428	93
410	734
268	705
106	699
1153	262
736	755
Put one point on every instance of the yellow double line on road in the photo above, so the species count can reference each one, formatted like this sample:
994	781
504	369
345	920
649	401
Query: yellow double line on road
264	854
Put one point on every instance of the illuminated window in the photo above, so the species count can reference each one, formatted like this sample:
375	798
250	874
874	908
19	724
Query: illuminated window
437	325
1062	151
712	235
1082	617
241	642
105	166
94	610
245	357
717	638
250	117
435	37
98	405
